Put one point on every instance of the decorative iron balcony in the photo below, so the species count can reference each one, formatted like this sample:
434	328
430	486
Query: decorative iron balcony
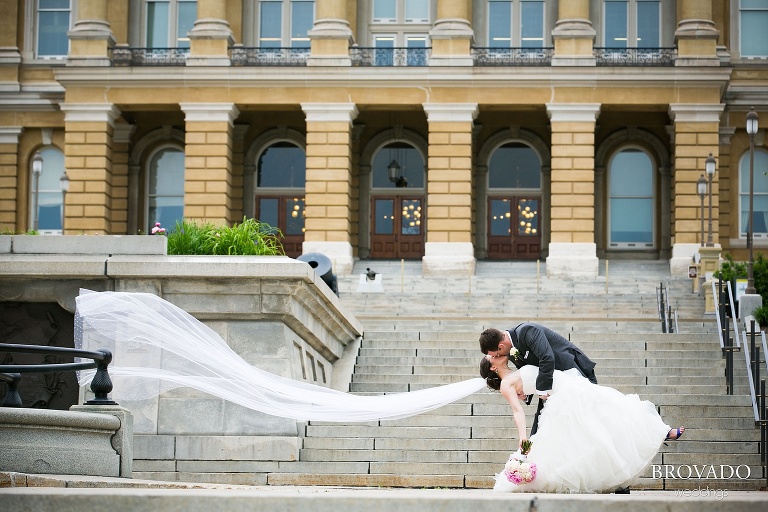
125	56
655	57
512	56
387	57
247	56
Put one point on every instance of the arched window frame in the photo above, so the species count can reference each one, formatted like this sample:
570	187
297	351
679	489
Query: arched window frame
513	190
382	146
653	198
50	192
149	222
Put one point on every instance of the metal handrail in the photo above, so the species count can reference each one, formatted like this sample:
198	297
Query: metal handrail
101	384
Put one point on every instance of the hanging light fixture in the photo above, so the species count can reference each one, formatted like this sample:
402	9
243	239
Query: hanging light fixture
393	170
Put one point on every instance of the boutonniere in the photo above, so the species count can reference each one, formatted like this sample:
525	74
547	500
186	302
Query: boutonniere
514	356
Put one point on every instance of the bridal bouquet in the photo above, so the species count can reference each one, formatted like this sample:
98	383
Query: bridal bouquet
517	469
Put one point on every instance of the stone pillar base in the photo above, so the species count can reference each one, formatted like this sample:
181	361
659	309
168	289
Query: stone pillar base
340	254
442	258
330	41
748	303
682	258
572	260
209	42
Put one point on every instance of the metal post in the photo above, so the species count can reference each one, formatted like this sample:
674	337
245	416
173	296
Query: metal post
710	243
752	130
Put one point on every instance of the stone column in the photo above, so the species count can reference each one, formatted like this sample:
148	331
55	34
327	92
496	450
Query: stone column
696	136
696	35
121	141
572	250
211	37
208	193
91	37
88	140
331	35
10	56
452	34
9	182
573	35
328	190
449	245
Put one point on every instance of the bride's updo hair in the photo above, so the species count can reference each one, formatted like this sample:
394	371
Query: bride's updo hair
490	376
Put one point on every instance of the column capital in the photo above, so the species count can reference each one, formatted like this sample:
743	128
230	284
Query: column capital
330	112
573	112
10	134
696	112
90	112
216	112
450	112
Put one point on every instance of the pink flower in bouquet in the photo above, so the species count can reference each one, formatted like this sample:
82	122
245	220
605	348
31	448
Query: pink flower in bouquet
517	469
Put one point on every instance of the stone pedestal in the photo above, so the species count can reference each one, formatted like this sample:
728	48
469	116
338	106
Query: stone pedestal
572	260
442	258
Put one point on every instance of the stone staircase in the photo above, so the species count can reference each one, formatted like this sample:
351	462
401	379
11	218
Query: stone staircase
422	332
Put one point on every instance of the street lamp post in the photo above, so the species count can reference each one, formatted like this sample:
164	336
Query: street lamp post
709	167
37	170
64	185
751	130
701	189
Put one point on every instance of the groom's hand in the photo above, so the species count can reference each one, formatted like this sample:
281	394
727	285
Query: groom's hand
544	396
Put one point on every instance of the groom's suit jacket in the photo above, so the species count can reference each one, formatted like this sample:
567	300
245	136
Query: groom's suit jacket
543	347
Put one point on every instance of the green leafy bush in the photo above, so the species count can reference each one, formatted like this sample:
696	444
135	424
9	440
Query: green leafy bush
250	237
730	269
761	316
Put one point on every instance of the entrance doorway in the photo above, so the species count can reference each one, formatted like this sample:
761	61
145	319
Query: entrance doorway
398	227
514	228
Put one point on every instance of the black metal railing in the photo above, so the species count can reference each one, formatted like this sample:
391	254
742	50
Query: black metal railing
125	56
389	57
252	56
511	57
667	316
725	313
754	360
652	57
101	384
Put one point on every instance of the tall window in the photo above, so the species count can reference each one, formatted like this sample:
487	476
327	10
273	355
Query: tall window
53	17
48	198
514	166
753	18
632	23
631	200
401	24
400	11
406	157
516	23
168	22
759	198
284	24
165	197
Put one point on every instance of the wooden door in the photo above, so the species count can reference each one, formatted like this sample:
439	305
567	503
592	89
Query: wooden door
514	228
397	227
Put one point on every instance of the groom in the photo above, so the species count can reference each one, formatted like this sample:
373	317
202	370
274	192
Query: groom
534	344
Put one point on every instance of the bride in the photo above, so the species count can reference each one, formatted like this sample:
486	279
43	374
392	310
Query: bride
590	439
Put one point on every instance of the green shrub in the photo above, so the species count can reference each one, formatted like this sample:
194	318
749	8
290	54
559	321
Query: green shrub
250	237
761	316
730	270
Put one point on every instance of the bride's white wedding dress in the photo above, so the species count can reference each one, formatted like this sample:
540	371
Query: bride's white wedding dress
590	438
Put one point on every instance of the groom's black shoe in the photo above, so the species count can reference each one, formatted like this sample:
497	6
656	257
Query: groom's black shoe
622	490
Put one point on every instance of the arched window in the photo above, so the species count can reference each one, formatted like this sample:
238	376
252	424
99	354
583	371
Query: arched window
760	196
47	196
402	155
514	165
631	200
165	189
280	180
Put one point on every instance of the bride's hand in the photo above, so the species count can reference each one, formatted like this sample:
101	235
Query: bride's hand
520	443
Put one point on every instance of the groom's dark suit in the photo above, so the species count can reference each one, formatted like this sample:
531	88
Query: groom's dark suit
541	346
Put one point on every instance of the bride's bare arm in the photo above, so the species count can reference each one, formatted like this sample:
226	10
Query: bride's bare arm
518	414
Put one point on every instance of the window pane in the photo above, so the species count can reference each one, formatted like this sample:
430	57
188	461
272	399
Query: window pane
302	18
416	11
528	217
514	165
50	196
410	217
267	211
532	24
632	220
165	210
282	165
185	23
754	36
384	223
648	24
500	217
166	188
384	11
52	33
615	25
157	24
407	157
53	4
760	196
294	216
500	24
270	21
631	174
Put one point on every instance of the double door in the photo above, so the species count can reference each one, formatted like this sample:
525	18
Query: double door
285	213
514	227
397	227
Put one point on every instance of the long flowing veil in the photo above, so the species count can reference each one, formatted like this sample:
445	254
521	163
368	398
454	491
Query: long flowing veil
157	346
